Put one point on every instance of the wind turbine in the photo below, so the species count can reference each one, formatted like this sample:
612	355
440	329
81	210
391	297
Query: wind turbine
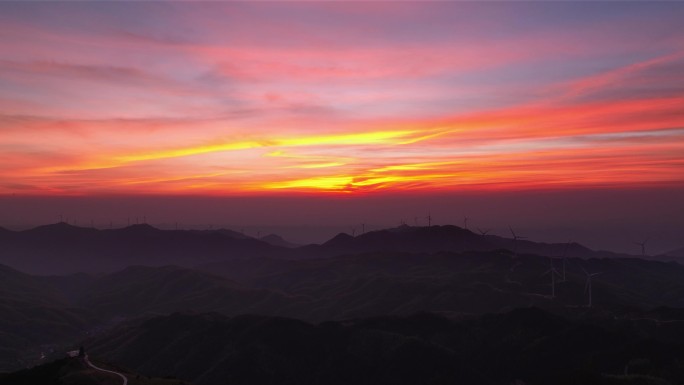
553	272
483	232
643	246
429	218
465	223
587	286
363	228
353	231
515	240
565	254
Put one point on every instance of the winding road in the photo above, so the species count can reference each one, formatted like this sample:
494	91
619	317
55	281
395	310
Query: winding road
125	380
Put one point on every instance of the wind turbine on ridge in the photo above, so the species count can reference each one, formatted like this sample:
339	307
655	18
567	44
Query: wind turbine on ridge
643	246
553	272
515	240
565	255
483	232
587	285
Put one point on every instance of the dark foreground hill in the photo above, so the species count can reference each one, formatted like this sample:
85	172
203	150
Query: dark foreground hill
38	312
74	371
525	346
33	312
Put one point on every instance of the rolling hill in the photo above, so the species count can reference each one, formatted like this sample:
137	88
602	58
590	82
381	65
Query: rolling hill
33	313
62	248
74	371
473	282
444	238
526	345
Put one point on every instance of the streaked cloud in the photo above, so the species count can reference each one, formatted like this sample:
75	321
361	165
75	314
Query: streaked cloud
267	98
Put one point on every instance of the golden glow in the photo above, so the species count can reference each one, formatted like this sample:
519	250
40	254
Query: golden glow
188	151
320	183
319	165
363	138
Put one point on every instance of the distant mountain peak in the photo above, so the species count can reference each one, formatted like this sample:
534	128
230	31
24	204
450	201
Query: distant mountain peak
59	228
341	238
277	240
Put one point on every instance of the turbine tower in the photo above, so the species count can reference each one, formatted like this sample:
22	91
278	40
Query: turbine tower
587	285
565	255
515	240
465	223
429	218
553	272
643	246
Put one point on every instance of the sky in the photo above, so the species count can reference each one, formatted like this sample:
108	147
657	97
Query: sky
340	102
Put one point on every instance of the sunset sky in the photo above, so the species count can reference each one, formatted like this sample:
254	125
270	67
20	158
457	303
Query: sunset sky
357	98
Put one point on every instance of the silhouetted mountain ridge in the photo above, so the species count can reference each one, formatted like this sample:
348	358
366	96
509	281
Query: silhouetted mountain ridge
446	238
63	248
277	240
679	253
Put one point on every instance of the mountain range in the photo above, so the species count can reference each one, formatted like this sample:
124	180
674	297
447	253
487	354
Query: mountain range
62	248
322	293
